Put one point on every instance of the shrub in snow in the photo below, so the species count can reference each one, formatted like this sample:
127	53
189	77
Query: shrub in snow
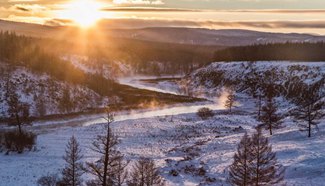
18	142
48	180
205	113
173	172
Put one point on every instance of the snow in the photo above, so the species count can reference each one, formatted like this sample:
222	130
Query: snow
168	139
201	82
162	86
30	86
177	139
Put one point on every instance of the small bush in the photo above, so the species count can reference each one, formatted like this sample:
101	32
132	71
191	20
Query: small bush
15	142
205	113
49	180
173	172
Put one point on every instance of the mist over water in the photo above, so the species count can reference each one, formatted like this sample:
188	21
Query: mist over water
214	103
218	104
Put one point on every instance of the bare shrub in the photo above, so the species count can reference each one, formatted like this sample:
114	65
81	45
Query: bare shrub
18	142
205	113
48	180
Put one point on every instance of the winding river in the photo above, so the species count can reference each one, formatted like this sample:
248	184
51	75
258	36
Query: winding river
137	114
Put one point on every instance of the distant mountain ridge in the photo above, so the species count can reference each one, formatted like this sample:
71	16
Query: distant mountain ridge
199	36
188	36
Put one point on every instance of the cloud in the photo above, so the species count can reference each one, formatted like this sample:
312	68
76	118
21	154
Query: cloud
22	1
28	7
138	2
142	23
147	9
284	11
58	22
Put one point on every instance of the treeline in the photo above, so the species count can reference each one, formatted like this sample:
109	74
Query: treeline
274	51
28	52
153	57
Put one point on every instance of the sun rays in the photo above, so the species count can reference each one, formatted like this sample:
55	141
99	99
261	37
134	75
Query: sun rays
84	13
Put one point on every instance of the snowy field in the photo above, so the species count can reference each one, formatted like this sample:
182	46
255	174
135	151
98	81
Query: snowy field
168	140
178	141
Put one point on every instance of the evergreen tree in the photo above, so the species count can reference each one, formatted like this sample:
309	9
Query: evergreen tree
72	172
271	120
230	101
110	166
255	163
264	169
309	108
240	169
145	173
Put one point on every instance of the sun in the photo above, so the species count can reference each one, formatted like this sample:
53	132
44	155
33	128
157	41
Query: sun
84	13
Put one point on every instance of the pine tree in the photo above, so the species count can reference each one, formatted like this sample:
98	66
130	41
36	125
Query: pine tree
255	163
145	173
72	172
271	120
230	101
239	173
265	169
110	167
309	109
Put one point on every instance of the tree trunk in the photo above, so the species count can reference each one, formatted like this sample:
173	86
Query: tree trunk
309	129
270	127
259	106
106	158
309	122
19	124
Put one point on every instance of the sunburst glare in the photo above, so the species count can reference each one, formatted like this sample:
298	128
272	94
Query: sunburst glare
84	13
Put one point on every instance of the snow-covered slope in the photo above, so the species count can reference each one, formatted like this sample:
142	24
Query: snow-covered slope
199	151
209	80
41	90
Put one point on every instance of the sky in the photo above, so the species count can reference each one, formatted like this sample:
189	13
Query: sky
301	16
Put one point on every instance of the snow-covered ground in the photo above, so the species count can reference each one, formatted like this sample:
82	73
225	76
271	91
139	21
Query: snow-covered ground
37	89
209	80
163	86
168	140
178	141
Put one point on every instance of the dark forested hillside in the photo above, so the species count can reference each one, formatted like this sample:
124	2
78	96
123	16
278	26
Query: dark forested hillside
20	55
266	52
154	57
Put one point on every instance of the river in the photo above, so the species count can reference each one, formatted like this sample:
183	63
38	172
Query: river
138	114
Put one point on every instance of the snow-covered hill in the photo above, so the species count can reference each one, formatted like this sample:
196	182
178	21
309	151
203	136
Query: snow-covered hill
289	76
181	143
41	90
